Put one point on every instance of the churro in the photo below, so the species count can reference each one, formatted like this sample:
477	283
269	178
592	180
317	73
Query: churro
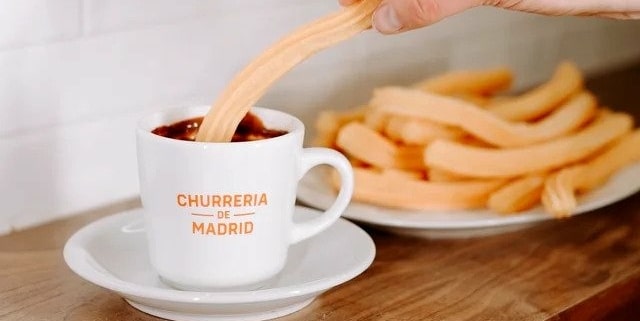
329	122
392	191
376	120
518	195
251	83
481	123
399	173
559	197
566	81
438	175
471	82
488	162
369	146
413	131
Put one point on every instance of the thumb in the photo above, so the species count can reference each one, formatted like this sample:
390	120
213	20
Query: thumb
395	16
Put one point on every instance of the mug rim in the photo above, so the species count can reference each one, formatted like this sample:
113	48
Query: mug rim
142	129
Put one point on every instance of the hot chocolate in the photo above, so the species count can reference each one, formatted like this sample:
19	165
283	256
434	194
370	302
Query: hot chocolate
250	128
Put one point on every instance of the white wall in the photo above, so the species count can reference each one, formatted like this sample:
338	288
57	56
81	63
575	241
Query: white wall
76	74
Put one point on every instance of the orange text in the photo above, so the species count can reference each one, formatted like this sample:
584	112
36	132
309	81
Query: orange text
223	200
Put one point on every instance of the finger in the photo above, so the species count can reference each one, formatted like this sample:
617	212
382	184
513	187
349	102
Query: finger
395	16
347	2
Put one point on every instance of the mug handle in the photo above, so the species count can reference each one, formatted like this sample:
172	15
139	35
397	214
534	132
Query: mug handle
312	157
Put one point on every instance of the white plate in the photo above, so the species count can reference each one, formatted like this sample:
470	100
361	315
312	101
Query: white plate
314	190
103	254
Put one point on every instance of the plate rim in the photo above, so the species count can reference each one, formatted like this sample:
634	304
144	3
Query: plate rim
77	259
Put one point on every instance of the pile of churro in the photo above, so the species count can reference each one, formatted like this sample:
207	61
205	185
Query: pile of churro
455	142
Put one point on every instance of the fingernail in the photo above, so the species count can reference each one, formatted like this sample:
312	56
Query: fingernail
385	20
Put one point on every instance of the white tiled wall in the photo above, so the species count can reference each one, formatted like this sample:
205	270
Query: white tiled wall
76	74
30	22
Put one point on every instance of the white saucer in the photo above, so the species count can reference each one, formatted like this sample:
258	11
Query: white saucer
103	254
314	190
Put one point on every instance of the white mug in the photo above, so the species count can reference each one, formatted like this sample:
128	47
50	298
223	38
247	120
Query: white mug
219	215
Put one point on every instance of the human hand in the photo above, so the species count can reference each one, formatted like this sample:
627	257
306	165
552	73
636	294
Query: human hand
394	16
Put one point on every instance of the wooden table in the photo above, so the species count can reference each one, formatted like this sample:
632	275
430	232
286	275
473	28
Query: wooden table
584	268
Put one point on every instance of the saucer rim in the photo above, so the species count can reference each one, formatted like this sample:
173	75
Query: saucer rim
77	258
